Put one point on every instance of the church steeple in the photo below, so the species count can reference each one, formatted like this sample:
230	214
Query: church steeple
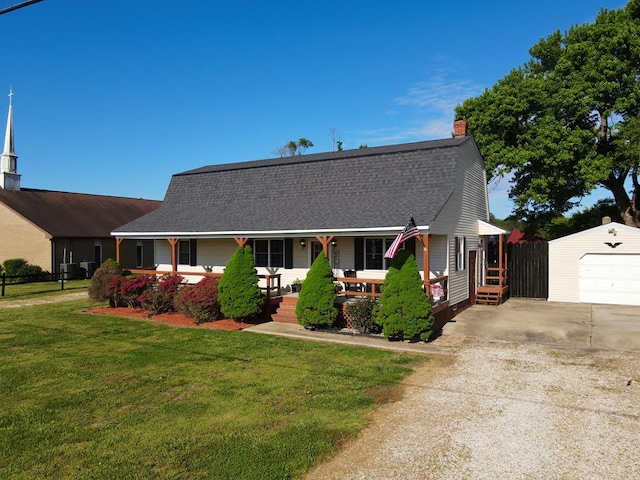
10	179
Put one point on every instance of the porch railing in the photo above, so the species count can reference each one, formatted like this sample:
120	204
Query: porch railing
370	287
272	288
495	276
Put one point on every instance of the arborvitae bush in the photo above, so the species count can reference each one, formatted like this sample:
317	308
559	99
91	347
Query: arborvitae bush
404	310
200	301
239	295
98	291
316	300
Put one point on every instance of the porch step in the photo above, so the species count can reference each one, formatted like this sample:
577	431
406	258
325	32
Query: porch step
284	310
491	295
488	298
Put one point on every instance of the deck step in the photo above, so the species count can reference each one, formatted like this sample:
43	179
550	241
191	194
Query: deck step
488	297
284	311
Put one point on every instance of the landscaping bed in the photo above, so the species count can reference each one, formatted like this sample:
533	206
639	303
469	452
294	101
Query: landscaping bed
173	318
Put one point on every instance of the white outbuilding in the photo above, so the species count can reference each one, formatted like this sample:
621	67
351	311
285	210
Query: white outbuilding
599	265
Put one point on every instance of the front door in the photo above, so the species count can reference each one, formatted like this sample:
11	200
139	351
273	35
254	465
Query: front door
472	276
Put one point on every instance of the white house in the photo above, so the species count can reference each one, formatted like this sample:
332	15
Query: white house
348	204
599	265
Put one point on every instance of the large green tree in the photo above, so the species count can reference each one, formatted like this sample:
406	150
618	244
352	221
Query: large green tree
568	120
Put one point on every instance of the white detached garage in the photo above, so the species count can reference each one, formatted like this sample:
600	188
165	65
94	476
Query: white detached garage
599	265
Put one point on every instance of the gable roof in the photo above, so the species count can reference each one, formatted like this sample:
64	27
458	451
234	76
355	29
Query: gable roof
612	228
63	214
351	190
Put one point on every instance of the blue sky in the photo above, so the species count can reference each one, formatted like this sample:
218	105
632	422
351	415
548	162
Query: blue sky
114	96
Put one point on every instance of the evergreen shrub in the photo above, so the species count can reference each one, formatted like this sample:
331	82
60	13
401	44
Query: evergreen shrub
315	307
239	295
404	310
33	273
200	301
12	265
98	287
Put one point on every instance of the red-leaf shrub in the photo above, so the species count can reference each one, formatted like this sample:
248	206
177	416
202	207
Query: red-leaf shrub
159	296
130	289
112	291
200	301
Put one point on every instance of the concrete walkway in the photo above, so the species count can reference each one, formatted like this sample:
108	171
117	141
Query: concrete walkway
581	325
296	331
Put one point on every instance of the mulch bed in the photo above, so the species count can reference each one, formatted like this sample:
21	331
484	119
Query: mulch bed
173	318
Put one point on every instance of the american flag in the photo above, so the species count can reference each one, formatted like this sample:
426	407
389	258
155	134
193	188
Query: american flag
410	230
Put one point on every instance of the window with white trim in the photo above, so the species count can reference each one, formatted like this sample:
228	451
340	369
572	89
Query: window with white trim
374	250
460	253
268	253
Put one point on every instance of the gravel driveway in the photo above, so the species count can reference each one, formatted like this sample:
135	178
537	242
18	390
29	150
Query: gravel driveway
504	410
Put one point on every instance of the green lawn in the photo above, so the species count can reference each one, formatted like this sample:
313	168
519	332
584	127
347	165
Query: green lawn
84	396
39	289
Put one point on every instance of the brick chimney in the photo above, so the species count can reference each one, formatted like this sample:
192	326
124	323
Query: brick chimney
460	128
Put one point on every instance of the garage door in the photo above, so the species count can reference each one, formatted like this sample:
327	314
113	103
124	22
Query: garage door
612	279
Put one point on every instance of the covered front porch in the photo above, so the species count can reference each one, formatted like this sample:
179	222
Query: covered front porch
357	261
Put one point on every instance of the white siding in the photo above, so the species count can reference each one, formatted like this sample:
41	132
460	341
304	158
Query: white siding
438	261
460	216
565	254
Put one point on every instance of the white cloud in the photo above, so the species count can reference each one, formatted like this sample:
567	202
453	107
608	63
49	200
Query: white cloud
427	109
439	93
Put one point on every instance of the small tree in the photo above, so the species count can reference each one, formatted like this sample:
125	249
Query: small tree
238	291
404	310
316	299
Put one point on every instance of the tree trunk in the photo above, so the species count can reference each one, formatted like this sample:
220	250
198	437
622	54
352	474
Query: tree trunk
628	207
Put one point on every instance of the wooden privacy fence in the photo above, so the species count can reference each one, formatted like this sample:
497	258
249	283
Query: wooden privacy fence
528	269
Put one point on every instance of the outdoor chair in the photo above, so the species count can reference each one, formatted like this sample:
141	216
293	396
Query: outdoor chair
352	286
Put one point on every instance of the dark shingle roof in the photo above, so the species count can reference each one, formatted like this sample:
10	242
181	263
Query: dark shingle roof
354	189
63	214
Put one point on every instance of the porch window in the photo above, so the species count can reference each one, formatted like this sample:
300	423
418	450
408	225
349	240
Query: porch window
374	253
316	249
460	253
184	252
268	253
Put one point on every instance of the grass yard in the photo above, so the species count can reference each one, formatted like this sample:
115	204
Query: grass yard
38	289
86	396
